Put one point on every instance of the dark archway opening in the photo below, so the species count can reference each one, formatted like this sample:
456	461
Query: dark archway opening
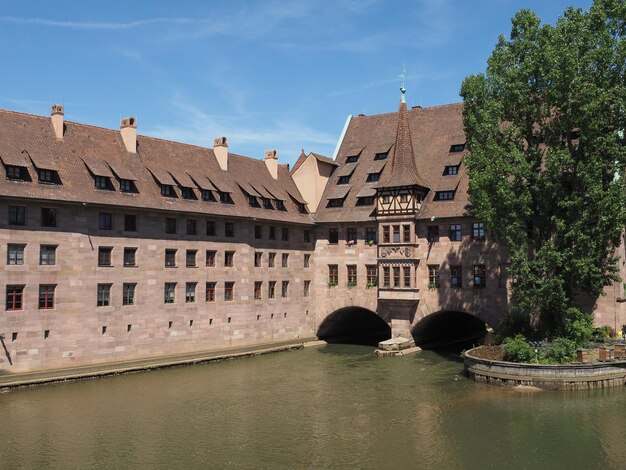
449	330
354	325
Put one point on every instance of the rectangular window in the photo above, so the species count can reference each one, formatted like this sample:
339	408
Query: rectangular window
444	196
386	276
192	227
15	297
104	256
17	215
229	229
207	195
258	232
307	260
285	236
258	285
381	156
333	274
455	233
229	288
344	179
15	172
371	177
386	233
351	275
104	295
285	289
130	222
128	293
46	176
480	276
351	234
272	233
478	231
271	289
105	221
127	186
333	236
271	260
451	170
352	159
396	276
433	233
285	260
190	292
406	270
307	236
102	182
170	225
167	190
258	259
47	255
406	233
370	235
335	203
229	257
170	258
396	234
280	205
130	257
433	277
46	296
187	193
48	217
370	270
15	254
267	204
307	288
210	228
169	292
457	148
365	201
210	258
225	198
190	258
210	292
456	276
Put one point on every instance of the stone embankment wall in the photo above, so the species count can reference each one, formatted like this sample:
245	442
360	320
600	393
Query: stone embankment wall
550	377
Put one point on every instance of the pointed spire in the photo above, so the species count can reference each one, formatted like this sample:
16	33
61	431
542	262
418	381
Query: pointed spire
402	88
403	171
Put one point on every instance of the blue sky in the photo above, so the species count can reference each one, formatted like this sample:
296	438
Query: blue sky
267	74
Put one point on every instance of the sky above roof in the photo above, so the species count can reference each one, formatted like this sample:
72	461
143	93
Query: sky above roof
267	74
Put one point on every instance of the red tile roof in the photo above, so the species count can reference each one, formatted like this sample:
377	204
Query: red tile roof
95	146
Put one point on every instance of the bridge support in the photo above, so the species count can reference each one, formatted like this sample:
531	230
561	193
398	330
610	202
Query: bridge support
399	315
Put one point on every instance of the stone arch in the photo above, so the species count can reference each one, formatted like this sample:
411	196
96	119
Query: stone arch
450	325
353	324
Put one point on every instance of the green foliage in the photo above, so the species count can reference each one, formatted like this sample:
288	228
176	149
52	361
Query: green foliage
517	349
562	351
433	285
332	283
579	327
601	334
547	159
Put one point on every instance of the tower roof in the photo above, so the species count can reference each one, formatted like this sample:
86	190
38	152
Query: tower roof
403	171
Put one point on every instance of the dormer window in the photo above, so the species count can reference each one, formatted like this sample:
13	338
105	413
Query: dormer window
16	173
335	203
252	201
371	177
451	170
127	186
381	156
301	208
344	179
102	182
167	190
365	201
267	204
444	195
207	195
457	148
187	193
280	205
225	197
47	176
352	159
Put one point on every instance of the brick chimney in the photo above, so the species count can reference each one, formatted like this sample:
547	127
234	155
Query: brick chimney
220	149
128	130
271	162
56	116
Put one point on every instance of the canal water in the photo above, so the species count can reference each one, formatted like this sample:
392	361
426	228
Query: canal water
330	407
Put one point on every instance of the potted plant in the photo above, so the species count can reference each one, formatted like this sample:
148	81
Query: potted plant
433	285
351	284
370	242
332	284
370	284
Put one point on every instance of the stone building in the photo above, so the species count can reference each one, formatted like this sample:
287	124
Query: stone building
117	246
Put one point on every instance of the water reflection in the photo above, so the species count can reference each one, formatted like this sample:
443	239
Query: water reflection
331	407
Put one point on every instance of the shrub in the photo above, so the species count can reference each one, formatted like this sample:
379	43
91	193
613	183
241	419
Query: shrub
579	327
602	333
517	349
562	351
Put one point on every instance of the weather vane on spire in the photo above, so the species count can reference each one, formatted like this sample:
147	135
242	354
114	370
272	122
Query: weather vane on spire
402	89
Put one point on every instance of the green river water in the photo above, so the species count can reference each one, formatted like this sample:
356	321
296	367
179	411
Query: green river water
336	406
